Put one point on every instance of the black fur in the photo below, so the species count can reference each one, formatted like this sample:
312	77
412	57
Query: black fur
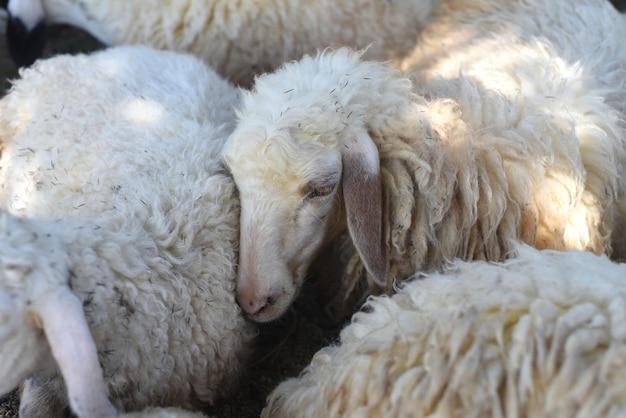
619	5
25	46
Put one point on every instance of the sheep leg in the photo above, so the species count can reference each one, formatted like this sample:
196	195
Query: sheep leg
75	352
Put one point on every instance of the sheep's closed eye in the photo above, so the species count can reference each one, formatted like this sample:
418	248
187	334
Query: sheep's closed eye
315	191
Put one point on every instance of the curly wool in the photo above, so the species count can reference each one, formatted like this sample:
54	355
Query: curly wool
540	335
163	413
519	135
525	138
120	149
566	63
244	38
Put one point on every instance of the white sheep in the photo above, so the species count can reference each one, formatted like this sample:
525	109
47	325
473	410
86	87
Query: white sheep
163	413
42	322
541	335
239	39
531	146
118	153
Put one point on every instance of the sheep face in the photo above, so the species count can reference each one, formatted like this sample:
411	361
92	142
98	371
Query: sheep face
306	167
294	188
289	204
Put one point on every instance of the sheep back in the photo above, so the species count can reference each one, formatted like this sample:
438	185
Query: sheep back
540	335
565	65
522	138
121	149
241	39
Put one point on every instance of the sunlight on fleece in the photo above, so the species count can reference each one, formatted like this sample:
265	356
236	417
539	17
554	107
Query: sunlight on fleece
142	111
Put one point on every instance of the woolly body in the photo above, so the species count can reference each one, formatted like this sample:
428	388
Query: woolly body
119	153
163	413
34	267
540	335
571	71
531	149
244	38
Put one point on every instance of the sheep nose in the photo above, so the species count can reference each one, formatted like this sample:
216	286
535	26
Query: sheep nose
252	305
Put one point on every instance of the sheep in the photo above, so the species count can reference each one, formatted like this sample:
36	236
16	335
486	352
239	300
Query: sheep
118	154
542	334
528	146
34	277
163	413
239	39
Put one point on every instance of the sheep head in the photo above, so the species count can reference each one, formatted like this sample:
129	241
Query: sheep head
304	169
41	319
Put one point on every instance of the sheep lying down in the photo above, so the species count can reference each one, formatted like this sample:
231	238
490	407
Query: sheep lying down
542	334
44	329
507	123
118	235
43	324
238	38
163	413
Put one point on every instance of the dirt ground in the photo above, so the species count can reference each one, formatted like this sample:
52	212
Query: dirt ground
284	347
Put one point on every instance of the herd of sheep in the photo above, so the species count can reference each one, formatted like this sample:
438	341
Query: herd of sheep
459	163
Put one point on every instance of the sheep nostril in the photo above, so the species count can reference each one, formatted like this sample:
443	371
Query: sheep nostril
252	306
255	305
270	301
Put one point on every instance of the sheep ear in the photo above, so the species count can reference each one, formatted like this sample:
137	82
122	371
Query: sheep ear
73	348
363	197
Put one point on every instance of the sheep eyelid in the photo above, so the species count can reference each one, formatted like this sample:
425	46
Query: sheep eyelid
312	192
319	192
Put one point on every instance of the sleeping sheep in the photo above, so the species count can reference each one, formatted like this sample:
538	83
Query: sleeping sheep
43	326
112	163
163	413
523	138
239	39
542	334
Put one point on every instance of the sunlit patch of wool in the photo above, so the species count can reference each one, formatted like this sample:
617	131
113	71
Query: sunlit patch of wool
140	110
